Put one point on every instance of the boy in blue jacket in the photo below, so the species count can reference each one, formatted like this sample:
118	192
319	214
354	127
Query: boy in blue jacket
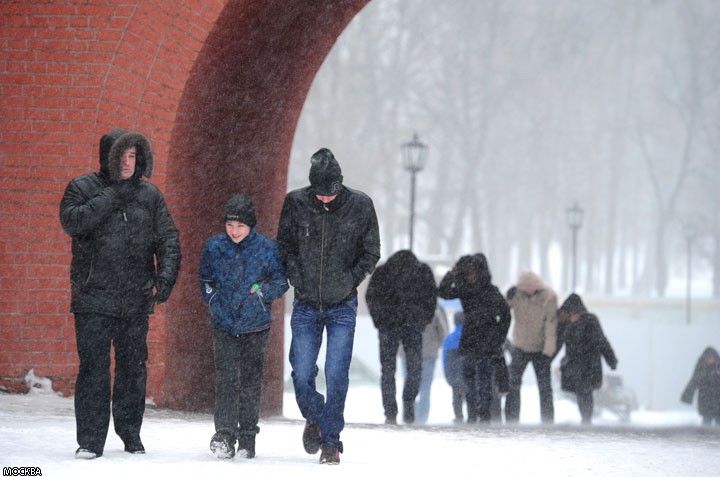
240	276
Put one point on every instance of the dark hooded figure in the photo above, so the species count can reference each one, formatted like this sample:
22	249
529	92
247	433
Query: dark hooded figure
485	328
125	259
706	381
585	344
401	297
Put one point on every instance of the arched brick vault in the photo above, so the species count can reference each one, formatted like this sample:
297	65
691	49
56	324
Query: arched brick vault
217	86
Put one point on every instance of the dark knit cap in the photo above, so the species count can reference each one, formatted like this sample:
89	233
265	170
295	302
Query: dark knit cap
241	208
325	173
573	304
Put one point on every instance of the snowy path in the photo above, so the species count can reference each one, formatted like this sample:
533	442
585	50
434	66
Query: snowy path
38	430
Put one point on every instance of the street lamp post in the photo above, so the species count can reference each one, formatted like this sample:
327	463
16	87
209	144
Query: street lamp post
574	219
414	157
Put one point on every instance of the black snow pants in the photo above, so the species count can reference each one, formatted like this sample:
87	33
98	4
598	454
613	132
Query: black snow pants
95	334
239	364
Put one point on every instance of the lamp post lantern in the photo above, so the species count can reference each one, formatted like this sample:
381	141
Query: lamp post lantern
574	219
414	154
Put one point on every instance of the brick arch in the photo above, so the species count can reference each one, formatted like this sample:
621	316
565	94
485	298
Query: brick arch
234	131
217	86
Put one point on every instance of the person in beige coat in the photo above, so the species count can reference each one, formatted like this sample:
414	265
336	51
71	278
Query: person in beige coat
534	339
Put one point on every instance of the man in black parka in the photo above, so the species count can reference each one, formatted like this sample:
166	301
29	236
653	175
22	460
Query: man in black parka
125	259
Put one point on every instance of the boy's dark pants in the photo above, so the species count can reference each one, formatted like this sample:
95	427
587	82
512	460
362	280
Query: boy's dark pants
239	362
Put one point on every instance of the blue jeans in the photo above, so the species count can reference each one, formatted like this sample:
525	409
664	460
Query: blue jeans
307	325
422	405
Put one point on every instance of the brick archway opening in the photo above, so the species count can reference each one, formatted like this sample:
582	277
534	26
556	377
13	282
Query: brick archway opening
233	133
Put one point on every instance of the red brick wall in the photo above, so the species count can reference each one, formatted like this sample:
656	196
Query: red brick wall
217	86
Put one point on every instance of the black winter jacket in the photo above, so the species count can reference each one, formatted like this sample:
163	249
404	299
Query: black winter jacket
328	249
585	344
402	292
706	381
118	235
487	315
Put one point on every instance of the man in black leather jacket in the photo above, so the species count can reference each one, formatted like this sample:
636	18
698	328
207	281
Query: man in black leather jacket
330	242
125	259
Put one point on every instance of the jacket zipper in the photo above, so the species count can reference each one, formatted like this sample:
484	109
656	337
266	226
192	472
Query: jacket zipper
322	259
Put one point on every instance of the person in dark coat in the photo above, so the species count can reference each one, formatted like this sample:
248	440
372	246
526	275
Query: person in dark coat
706	381
487	319
125	259
585	344
401	297
453	367
330	241
240	276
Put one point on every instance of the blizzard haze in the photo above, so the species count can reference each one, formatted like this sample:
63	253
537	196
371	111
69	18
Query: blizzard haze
527	107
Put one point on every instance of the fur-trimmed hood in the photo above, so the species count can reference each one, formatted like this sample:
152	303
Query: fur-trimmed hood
121	140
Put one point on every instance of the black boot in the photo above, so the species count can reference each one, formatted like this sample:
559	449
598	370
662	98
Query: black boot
222	444
246	443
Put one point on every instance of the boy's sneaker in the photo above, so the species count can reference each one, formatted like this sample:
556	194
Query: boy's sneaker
87	454
246	453
329	454
246	446
222	445
311	438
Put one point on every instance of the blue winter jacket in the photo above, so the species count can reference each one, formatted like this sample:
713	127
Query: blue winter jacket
452	359
228	272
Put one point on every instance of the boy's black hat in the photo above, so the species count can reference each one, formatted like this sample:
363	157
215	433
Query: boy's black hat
241	208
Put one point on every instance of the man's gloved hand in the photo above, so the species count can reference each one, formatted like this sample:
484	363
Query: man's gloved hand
162	291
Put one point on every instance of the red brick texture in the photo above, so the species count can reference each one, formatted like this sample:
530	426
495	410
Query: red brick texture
218	88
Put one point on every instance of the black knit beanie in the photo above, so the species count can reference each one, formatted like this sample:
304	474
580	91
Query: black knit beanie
325	173
241	208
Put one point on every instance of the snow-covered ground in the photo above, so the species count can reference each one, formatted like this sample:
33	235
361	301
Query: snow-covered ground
38	430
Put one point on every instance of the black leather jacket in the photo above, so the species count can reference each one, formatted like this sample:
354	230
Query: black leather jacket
328	249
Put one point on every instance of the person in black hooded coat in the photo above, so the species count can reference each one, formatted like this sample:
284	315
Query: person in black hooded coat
401	297
585	344
486	324
706	381
125	259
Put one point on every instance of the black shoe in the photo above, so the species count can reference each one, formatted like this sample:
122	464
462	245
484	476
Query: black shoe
329	454
246	446
134	445
311	438
246	453
391	421
87	454
222	444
